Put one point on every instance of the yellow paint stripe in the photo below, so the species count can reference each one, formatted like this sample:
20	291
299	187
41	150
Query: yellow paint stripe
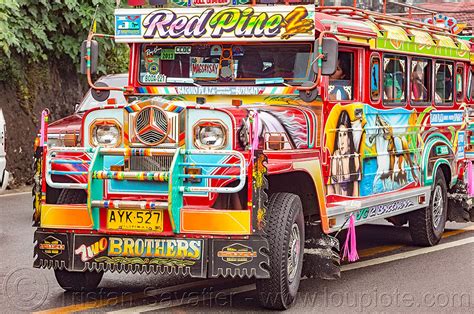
378	250
93	304
138	296
128	298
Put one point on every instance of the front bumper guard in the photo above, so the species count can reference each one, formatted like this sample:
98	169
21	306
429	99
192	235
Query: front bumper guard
175	177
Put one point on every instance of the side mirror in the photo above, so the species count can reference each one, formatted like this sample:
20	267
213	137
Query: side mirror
100	95
94	56
329	61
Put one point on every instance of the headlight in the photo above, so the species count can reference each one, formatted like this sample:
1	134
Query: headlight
210	135
106	133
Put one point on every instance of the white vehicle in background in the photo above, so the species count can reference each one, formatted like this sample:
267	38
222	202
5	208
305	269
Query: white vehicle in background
3	162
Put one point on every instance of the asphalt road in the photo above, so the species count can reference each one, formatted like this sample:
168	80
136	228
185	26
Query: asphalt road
392	276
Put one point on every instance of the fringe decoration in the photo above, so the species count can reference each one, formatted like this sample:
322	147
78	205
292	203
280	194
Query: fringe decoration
254	145
350	246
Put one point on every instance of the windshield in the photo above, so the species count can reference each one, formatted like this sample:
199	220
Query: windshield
206	63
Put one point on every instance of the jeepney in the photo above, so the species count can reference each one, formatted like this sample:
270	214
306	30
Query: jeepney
253	133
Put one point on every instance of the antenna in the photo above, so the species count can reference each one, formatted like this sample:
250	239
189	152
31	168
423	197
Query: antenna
93	23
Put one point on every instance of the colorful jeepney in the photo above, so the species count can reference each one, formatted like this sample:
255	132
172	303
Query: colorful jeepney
251	135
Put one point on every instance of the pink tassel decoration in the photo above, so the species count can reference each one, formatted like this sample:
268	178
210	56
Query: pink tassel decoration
254	145
470	179
350	246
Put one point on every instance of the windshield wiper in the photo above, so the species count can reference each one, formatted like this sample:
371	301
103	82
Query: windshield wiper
272	80
182	80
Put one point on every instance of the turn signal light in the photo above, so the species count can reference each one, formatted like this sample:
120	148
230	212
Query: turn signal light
69	140
421	199
116	168
193	171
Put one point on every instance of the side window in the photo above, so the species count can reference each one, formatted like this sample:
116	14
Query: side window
420	83
443	83
375	78
394	79
341	83
460	83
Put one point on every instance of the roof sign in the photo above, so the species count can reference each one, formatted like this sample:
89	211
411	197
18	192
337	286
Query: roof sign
288	23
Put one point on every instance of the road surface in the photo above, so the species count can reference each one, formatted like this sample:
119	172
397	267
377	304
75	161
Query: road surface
392	276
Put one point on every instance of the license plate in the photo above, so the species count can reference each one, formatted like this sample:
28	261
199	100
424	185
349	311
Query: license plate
138	220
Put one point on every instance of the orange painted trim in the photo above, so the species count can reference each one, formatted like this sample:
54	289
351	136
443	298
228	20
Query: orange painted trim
215	221
67	216
313	168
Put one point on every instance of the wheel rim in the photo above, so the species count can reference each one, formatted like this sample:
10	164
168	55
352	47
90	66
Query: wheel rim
438	206
294	249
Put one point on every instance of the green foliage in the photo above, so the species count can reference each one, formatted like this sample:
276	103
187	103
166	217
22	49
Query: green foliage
41	30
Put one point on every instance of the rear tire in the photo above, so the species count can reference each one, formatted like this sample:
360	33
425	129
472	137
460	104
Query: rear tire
285	233
427	224
78	281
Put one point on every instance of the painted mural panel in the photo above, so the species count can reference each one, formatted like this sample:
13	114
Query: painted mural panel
372	150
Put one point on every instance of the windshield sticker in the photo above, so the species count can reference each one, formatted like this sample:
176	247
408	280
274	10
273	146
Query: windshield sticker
238	51
154	68
216	50
182	50
153	78
167	54
217	23
201	69
153	51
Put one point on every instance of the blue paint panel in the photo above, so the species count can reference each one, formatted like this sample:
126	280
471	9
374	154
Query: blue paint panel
126	25
390	170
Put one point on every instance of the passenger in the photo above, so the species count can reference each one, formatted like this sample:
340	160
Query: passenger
345	167
394	82
418	89
444	84
341	80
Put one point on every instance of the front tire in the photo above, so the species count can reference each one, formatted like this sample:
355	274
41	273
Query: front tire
285	233
427	224
78	281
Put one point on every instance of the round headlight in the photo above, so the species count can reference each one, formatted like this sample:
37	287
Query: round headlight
210	135
108	135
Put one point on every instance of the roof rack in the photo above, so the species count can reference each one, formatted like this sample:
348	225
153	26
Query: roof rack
187	3
383	19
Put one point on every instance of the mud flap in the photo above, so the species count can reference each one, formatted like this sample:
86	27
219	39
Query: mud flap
239	258
52	250
321	254
460	206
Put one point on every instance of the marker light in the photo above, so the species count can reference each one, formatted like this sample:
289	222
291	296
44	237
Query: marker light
134	3
158	2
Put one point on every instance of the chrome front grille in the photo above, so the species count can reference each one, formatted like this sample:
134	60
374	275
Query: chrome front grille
151	137
150	163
